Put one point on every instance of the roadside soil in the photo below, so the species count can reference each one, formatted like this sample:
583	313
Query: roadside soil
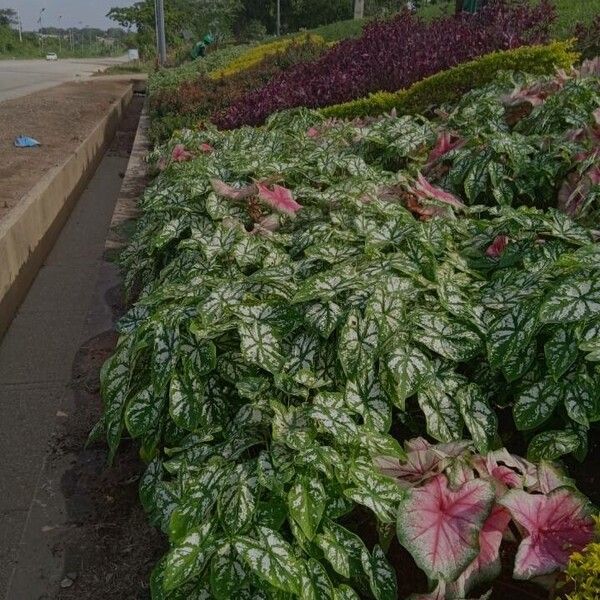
60	118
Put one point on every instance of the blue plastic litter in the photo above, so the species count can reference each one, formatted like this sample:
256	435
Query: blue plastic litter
24	141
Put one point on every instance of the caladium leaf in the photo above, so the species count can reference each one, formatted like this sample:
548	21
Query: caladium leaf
382	577
580	397
166	354
272	559
345	592
316	584
365	397
479	417
228	573
260	345
573	300
407	366
374	491
440	527
556	525
342	548
306	502
487	565
143	412
509	338
552	444
323	317
281	199
237	501
186	394
358	343
189	557
536	404
442	414
447	337
561	351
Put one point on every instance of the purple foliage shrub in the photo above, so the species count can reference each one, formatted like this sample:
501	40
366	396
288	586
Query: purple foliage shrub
391	55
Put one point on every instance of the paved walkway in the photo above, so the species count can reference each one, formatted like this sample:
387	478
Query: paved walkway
36	356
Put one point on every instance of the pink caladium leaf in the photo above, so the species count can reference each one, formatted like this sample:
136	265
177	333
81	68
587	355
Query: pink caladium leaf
228	191
180	154
445	142
556	525
497	247
425	191
206	149
506	471
440	527
487	565
280	199
313	132
267	225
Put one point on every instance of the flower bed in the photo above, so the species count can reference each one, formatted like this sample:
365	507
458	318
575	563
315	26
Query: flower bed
311	294
391	55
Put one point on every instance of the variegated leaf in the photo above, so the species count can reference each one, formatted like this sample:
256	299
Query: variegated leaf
272	559
237	501
365	397
444	421
510	337
189	558
408	366
573	300
186	395
358	343
536	404
382	577
228	573
306	503
260	346
479	417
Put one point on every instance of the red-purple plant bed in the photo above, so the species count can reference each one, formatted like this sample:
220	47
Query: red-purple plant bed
391	55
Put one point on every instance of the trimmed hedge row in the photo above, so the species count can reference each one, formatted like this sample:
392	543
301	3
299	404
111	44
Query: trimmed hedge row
451	84
255	55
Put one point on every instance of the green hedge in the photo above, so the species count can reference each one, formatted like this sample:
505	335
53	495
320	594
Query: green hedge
450	85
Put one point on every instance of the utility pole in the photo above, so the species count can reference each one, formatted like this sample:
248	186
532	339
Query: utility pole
161	42
20	26
60	33
278	22
359	9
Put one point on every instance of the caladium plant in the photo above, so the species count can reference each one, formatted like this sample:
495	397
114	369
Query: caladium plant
279	335
453	520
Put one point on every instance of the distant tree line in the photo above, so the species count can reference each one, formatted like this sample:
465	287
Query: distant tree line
242	19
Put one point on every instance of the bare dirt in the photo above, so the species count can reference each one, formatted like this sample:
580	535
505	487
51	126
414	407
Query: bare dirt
60	118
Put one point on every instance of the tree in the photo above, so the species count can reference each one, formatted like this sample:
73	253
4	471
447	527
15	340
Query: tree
8	17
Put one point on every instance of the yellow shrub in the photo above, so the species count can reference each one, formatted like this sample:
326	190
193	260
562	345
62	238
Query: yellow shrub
450	85
583	572
255	55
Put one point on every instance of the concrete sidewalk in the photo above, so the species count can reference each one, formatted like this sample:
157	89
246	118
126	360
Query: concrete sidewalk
36	356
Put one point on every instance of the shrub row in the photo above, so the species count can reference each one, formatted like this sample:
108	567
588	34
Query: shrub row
253	56
450	85
391	55
195	99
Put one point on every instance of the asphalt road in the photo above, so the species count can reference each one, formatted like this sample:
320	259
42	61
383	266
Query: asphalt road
22	77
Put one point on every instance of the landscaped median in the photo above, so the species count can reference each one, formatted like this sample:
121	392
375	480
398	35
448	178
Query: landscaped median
344	336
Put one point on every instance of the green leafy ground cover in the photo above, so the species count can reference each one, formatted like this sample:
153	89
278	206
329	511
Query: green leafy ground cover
409	277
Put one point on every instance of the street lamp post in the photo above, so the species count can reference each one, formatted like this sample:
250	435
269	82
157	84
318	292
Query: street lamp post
161	41
20	26
40	24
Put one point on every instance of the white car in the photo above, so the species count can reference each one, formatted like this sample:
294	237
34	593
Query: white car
51	56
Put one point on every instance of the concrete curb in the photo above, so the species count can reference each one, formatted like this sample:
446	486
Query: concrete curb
30	230
134	183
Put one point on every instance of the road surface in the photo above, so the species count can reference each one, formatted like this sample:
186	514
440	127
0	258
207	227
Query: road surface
22	77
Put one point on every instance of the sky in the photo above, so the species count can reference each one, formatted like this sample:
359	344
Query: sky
88	12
